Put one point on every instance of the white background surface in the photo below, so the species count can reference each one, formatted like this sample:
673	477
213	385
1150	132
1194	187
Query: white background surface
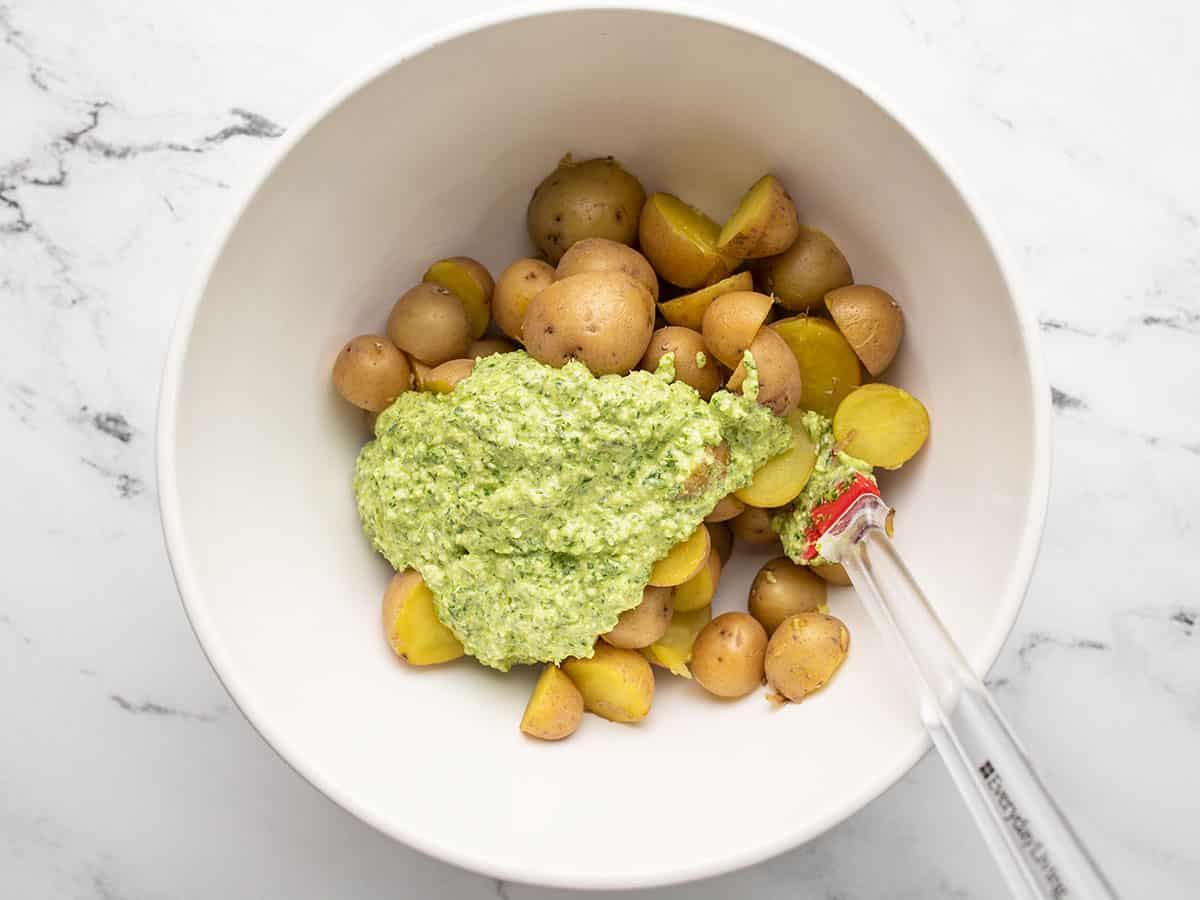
127	130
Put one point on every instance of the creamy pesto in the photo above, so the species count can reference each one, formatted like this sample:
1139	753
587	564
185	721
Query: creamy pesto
534	500
833	469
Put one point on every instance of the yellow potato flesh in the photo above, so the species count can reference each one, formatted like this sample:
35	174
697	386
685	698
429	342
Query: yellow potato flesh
555	707
411	624
616	684
782	478
698	591
764	222
673	651
681	243
829	368
683	561
456	277
881	424
688	310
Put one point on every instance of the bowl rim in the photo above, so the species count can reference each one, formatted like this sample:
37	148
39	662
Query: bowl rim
180	562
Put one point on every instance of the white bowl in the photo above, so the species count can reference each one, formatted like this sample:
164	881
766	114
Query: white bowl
435	153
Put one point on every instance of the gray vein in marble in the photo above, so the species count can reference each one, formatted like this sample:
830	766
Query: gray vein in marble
113	424
128	486
1060	325
15	38
1065	401
150	708
1036	639
1186	620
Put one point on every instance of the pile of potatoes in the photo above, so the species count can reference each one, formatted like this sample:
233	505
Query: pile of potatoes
706	293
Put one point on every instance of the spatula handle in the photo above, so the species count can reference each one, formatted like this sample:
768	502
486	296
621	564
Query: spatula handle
1035	847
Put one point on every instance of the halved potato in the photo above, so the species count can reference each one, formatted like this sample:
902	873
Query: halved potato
673	651
411	625
442	379
517	286
683	561
871	321
783	477
692	365
764	223
727	507
420	372
731	322
681	242
829	369
470	281
646	622
602	255
616	683
779	381
801	276
881	424
688	311
753	526
700	589
555	707
833	573
721	538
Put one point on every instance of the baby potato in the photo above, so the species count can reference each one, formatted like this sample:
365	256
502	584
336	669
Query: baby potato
829	369
603	255
782	478
602	319
688	311
593	198
430	323
716	461
871	321
681	243
688	347
489	346
616	683
779	381
673	651
721	539
370	372
763	224
555	707
731	322
683	560
411	625
804	653
881	424
781	589
518	285
801	276
832	573
699	590
754	526
442	379
727	658
727	507
646	622
471	282
420	372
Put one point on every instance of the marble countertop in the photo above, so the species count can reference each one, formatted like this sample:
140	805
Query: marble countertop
127	130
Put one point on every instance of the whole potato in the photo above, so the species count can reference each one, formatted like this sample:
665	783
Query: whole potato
764	222
518	285
371	372
731	322
688	347
871	321
593	198
471	282
720	539
602	319
603	255
646	622
728	655
832	573
727	508
681	243
430	323
488	346
442	379
555	707
800	277
779	382
753	526
781	589
804	653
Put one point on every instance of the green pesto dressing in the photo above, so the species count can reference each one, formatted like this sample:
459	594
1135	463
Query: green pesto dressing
833	468
534	501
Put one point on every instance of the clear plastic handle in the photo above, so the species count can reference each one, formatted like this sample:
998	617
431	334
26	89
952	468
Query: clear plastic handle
1035	847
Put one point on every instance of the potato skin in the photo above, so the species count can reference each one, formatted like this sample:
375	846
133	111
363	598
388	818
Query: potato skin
593	198
516	287
442	379
832	573
781	589
471	282
801	276
430	323
764	223
645	623
371	372
616	684
871	321
602	319
753	526
685	344
555	707
728	655
720	539
727	508
489	345
804	653
731	323
779	383
603	255
411	625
